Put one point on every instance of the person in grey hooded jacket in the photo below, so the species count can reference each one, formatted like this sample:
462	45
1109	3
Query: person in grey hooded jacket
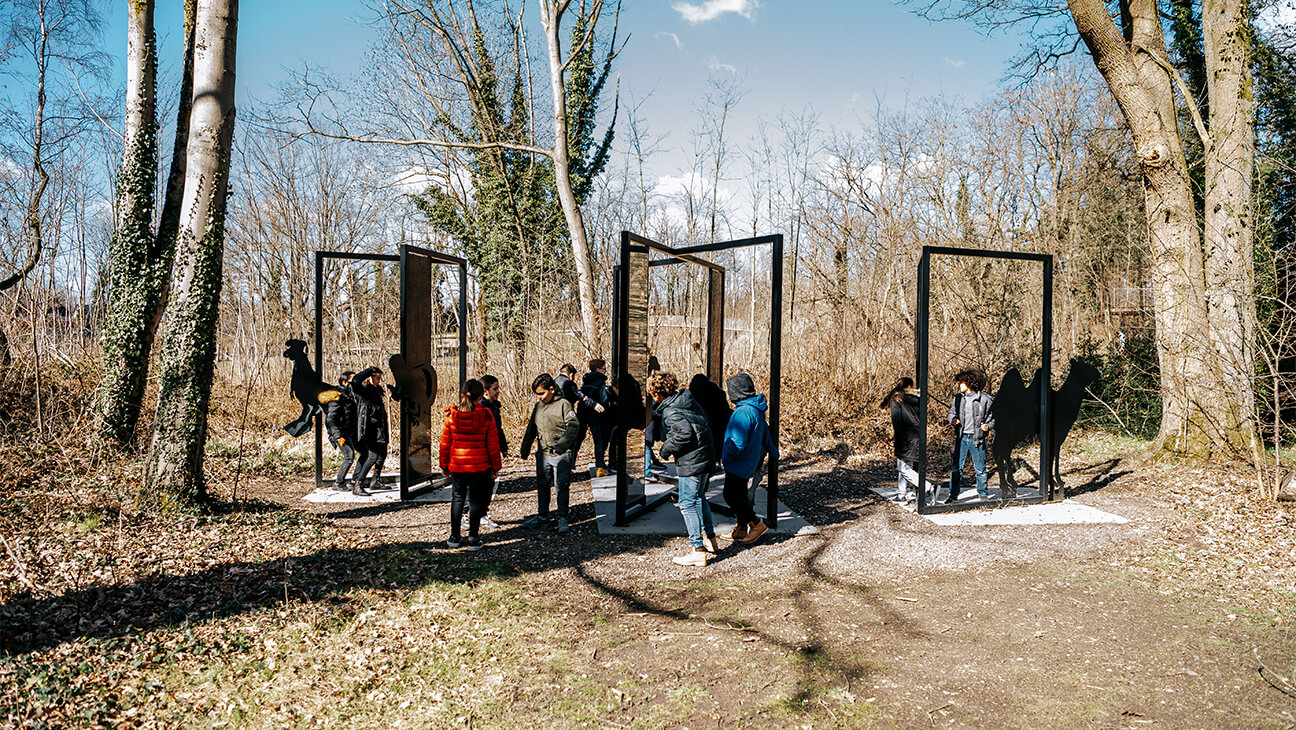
972	418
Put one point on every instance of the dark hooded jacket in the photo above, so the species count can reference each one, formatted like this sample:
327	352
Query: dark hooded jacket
904	420
687	434
371	412
593	390
494	407
340	417
711	399
568	389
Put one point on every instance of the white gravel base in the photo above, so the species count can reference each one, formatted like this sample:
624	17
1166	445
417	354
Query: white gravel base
1066	512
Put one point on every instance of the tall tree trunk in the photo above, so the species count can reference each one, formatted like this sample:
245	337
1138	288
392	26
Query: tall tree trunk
140	262
1230	156
551	12
175	463
1137	70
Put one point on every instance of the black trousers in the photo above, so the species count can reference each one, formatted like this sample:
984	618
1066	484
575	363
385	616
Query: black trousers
474	488
348	458
735	495
372	456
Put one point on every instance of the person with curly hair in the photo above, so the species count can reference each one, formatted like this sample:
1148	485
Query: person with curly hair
972	418
688	441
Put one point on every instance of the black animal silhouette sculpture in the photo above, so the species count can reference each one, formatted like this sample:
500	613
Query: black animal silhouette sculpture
306	387
1017	418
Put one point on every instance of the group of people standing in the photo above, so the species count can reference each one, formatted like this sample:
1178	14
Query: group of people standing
971	417
473	444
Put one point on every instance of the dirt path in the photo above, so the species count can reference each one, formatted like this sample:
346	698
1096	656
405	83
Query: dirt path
885	619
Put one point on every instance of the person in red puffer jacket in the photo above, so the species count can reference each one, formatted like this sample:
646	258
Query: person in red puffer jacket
470	456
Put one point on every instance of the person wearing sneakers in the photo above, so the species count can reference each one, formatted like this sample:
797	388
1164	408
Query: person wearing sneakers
688	441
490	399
470	456
747	440
903	401
555	431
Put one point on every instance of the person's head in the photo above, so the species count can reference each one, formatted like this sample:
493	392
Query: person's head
662	385
491	384
375	378
902	385
470	394
568	369
345	377
543	387
597	365
972	380
740	387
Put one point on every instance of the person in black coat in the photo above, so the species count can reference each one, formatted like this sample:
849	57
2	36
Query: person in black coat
340	421
594	387
371	427
903	404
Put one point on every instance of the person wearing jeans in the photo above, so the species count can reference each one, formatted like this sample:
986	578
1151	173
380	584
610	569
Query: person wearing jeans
970	415
688	441
555	431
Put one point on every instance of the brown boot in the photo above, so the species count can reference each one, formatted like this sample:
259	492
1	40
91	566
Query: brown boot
710	544
737	533
755	532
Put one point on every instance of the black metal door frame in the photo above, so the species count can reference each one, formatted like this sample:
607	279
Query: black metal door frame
405	250
631	242
1047	491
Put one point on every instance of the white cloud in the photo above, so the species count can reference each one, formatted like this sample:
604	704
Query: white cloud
678	43
677	190
956	64
712	9
717	65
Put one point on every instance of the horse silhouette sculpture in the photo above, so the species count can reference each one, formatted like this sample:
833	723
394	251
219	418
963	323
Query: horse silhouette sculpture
306	387
1017	419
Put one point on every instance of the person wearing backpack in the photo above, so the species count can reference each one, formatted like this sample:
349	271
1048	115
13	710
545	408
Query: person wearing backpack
470	456
747	440
688	441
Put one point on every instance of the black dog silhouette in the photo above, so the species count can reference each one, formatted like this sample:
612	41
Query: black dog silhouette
306	387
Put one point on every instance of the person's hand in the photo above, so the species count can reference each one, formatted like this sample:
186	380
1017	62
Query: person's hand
985	427
342	441
598	407
955	422
445	474
494	474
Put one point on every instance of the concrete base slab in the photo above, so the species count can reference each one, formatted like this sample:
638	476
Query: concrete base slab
665	518
1066	512
389	492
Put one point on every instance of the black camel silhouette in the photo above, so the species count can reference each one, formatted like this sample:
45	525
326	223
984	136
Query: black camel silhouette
306	387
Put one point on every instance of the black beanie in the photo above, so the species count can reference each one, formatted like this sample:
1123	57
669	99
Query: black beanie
740	387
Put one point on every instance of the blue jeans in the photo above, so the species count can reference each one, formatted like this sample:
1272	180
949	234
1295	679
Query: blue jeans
967	445
696	509
648	446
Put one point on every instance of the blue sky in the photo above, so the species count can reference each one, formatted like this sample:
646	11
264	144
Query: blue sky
835	56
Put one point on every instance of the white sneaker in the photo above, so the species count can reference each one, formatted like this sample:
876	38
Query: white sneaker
488	523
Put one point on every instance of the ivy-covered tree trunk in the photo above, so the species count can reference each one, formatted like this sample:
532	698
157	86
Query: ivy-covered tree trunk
139	261
175	463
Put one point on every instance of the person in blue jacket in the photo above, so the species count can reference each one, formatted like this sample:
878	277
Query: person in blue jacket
746	441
